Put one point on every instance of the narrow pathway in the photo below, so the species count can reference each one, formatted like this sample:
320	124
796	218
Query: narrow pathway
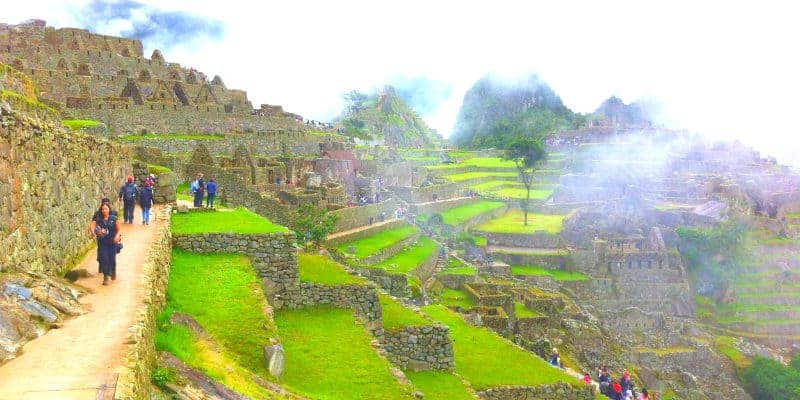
81	360
360	228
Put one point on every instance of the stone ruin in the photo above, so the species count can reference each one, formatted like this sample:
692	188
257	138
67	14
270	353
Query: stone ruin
108	79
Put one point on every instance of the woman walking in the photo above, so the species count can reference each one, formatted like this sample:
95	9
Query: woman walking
107	230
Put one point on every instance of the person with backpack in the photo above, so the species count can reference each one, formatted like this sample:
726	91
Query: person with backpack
127	195
211	192
146	201
107	230
555	359
93	224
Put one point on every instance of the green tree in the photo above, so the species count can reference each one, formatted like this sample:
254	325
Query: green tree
355	100
356	128
313	223
527	154
767	379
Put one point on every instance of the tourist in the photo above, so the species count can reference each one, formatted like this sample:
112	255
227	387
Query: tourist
644	395
127	195
93	223
616	390
604	378
199	189
211	192
625	381
107	231
587	379
146	201
555	360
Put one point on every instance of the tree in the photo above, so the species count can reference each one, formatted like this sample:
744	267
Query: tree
768	379
355	100
313	223
527	153
356	128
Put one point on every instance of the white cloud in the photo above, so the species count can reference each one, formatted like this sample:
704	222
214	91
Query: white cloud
728	70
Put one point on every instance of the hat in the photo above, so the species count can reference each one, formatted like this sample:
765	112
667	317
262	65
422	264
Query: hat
130	179
105	200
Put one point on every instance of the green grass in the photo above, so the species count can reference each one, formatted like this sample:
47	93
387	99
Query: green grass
409	258
521	193
512	222
524	312
457	298
725	345
158	170
487	360
461	214
456	267
170	136
319	269
467	176
396	316
490	185
75	124
329	356
439	385
557	274
368	246
479	162
223	293
481	241
30	101
182	192
240	221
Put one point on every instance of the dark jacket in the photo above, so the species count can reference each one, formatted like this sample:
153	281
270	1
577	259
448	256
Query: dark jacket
146	196
125	188
211	188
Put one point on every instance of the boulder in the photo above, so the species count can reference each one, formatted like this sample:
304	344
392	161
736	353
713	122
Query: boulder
275	359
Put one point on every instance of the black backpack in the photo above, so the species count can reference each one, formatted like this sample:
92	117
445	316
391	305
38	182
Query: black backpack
130	192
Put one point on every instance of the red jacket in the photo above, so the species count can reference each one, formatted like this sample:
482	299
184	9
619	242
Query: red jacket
616	387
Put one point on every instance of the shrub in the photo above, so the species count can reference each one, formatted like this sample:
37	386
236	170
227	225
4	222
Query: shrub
161	376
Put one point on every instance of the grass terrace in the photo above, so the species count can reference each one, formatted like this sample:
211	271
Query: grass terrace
397	316
439	385
457	298
468	176
521	193
370	245
524	312
239	220
461	214
330	357
492	185
170	136
476	353
409	258
75	124
478	162
456	267
320	269
224	295
182	192
158	170
512	222
556	274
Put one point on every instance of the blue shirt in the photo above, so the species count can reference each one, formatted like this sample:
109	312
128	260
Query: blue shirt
211	187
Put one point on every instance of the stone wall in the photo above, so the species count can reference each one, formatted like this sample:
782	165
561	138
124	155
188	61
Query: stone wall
51	183
554	260
438	206
354	217
273	256
424	194
420	348
165	189
556	391
390	251
140	353
363	299
262	144
455	281
395	284
537	240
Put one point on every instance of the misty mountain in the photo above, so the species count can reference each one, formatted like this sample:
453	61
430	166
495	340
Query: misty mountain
385	115
617	112
494	111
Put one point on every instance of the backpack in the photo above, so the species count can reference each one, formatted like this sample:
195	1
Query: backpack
129	192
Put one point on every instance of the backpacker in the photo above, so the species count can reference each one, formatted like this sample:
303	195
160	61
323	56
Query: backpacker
130	192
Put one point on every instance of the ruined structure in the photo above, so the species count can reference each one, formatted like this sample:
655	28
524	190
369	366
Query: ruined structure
109	79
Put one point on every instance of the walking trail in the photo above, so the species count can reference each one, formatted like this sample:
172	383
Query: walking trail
81	360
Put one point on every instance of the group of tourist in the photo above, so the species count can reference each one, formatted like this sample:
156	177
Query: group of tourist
105	226
615	389
199	187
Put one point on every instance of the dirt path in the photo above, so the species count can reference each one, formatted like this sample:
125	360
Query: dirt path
360	228
81	360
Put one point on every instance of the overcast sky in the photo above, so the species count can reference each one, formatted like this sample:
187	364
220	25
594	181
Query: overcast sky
728	69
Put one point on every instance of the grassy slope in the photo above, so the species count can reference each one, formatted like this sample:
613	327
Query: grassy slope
320	269
439	385
458	298
381	240
329	356
409	258
512	222
235	221
487	360
466	176
75	124
459	215
223	293
556	274
397	316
